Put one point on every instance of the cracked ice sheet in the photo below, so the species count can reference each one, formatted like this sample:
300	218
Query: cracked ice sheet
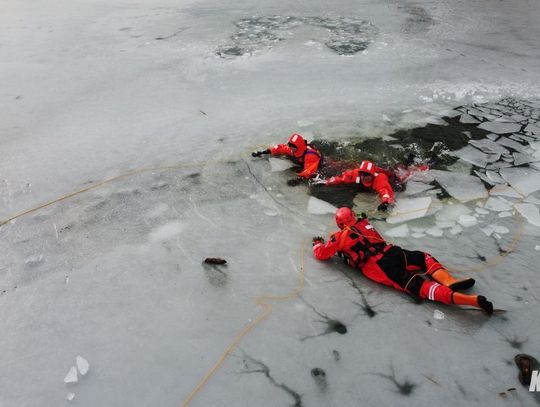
319	207
524	180
279	164
460	186
407	209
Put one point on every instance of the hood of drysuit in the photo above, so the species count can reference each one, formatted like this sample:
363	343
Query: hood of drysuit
296	140
367	167
345	217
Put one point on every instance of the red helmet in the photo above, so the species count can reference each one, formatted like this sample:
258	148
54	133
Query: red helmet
298	142
368	167
345	217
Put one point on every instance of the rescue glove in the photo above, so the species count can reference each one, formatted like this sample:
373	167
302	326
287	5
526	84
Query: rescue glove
317	181
259	153
317	240
294	182
363	215
385	207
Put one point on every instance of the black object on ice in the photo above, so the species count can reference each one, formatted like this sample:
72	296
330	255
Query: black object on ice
214	260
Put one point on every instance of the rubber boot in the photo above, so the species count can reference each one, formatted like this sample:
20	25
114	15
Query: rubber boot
478	301
443	277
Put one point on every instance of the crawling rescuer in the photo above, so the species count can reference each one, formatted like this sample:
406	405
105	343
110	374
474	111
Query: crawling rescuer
364	248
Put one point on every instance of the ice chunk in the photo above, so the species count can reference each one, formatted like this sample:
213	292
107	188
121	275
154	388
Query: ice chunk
456	229
417	235
474	156
278	164
522	158
71	376
505	141
82	365
500	229
500	127
532	128
467	220
488	146
529	212
484	178
495	177
488	230
524	180
415	187
452	212
407	209
400	231
319	207
434	232
498	204
70	396
467	119
461	186
481	211
505	214
504	190
34	261
166	232
537	247
438	315
445	224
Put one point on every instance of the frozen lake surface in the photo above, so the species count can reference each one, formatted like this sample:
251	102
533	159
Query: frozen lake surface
139	119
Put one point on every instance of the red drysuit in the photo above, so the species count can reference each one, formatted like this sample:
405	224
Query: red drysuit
301	153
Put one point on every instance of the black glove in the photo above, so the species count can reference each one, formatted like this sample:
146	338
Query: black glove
363	215
317	239
293	182
259	153
385	207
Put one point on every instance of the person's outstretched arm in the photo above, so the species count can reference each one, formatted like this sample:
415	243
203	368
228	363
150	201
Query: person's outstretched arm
324	251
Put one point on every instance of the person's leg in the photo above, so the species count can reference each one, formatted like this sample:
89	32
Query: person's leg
393	266
417	260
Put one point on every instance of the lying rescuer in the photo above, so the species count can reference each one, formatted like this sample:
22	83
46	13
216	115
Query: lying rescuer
300	152
367	177
405	270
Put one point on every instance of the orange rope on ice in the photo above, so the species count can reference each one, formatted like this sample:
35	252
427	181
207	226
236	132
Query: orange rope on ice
264	302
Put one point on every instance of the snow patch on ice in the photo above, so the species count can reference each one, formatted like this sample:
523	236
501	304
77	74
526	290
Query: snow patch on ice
71	376
82	365
166	232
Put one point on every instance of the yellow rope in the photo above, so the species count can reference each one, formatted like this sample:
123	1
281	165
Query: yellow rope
262	301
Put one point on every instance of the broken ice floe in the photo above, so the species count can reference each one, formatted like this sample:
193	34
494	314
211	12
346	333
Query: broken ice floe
500	127
488	146
498	204
460	186
70	396
524	180
278	164
467	220
82	365
529	212
71	376
407	209
452	212
415	187
399	231
319	207
434	231
474	156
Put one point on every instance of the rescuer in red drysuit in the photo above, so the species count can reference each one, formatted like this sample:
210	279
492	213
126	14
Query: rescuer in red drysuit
405	270
301	153
369	177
